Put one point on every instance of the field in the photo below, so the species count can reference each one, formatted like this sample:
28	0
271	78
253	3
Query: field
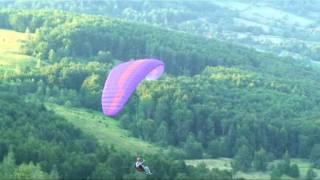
10	55
106	130
264	14
225	164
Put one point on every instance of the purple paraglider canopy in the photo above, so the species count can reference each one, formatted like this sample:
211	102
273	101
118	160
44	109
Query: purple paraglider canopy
124	79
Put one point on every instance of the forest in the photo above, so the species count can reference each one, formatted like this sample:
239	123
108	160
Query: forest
216	99
286	27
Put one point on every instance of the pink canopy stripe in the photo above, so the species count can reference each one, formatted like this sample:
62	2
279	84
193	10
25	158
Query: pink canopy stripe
123	79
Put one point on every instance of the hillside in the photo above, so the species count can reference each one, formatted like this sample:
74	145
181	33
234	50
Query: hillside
106	130
35	137
216	99
275	27
184	54
252	77
38	144
285	28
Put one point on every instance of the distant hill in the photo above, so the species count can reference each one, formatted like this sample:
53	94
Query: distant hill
285	28
184	54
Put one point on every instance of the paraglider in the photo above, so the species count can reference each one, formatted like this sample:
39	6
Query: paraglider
121	84
141	167
124	79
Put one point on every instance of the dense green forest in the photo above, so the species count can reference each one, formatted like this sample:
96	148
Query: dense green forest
217	99
37	144
286	27
183	54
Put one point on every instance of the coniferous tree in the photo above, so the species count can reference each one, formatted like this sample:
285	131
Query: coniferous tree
242	160
294	171
260	160
192	147
315	155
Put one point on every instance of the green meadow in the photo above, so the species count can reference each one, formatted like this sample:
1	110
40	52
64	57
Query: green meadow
106	130
10	52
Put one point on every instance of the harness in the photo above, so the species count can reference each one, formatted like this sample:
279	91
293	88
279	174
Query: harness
139	167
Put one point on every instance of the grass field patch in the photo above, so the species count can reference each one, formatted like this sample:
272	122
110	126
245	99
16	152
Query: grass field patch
10	52
105	129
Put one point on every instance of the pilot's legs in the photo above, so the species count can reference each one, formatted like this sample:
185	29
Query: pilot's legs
147	170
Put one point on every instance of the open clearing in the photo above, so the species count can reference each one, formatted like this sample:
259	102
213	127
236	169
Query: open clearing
106	130
10	55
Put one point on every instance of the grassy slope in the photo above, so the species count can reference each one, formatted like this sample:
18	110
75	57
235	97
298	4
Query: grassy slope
225	164
10	42
105	129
